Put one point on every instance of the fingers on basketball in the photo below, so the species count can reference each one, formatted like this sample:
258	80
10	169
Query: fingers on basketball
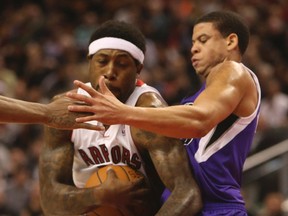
124	173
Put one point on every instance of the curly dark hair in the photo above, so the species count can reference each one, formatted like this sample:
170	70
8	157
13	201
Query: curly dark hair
120	29
228	22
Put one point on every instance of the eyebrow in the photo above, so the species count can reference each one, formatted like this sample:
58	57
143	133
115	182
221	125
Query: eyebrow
123	54
120	53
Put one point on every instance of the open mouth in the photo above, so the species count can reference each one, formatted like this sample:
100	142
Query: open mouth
194	62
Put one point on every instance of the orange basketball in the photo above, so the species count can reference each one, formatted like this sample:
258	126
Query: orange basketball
125	173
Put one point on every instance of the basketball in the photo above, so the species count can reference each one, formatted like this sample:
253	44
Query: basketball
124	173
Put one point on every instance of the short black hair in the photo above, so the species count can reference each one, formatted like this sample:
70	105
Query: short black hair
228	22
120	29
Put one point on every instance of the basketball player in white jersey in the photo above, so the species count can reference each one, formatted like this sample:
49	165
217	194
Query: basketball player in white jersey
219	121
116	51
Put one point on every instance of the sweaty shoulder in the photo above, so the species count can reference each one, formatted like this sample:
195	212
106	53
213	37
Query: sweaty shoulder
236	77
228	71
150	99
140	137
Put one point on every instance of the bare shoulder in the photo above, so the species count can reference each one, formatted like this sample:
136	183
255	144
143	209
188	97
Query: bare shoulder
151	99
230	72
240	78
142	138
233	86
238	73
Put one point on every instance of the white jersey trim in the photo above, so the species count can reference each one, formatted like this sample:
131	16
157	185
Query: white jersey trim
204	154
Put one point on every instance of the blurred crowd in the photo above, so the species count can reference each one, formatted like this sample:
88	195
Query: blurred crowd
43	48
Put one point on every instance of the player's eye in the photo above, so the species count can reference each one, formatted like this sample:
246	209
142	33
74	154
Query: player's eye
101	60
122	62
203	39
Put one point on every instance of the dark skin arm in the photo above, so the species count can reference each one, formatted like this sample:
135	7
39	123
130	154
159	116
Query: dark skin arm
171	162
59	196
59	117
54	114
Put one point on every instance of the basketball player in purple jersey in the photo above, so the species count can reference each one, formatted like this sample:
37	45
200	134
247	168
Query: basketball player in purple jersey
219	122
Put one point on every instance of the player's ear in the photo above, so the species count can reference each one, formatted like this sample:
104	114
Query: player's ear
232	41
139	68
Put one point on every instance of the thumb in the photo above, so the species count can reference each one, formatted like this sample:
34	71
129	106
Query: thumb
111	173
103	87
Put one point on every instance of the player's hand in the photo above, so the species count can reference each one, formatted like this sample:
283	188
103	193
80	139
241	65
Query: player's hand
103	105
128	196
60	117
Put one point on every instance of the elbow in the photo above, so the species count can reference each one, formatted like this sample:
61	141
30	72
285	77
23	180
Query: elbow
202	128
200	124
45	199
205	122
190	201
199	133
46	208
50	202
191	197
194	204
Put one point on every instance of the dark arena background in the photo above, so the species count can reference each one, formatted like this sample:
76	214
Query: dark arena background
43	48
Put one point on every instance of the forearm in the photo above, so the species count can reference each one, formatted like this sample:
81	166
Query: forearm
173	168
18	111
180	203
185	197
173	121
59	195
68	200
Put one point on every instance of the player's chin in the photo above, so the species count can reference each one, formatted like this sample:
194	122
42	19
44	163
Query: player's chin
116	92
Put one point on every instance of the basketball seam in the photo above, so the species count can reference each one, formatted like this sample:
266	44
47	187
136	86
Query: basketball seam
128	177
100	180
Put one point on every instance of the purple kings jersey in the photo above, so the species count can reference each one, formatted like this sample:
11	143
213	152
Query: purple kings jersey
218	157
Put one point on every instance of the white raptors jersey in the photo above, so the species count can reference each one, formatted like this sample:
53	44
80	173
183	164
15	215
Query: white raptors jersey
94	149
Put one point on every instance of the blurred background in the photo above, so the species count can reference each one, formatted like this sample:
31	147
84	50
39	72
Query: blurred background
43	47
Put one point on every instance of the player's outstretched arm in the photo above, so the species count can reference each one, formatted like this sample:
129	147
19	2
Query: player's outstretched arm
54	114
173	121
225	89
19	111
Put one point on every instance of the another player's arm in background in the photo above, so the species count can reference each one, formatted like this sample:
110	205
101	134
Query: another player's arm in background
18	111
171	162
54	114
